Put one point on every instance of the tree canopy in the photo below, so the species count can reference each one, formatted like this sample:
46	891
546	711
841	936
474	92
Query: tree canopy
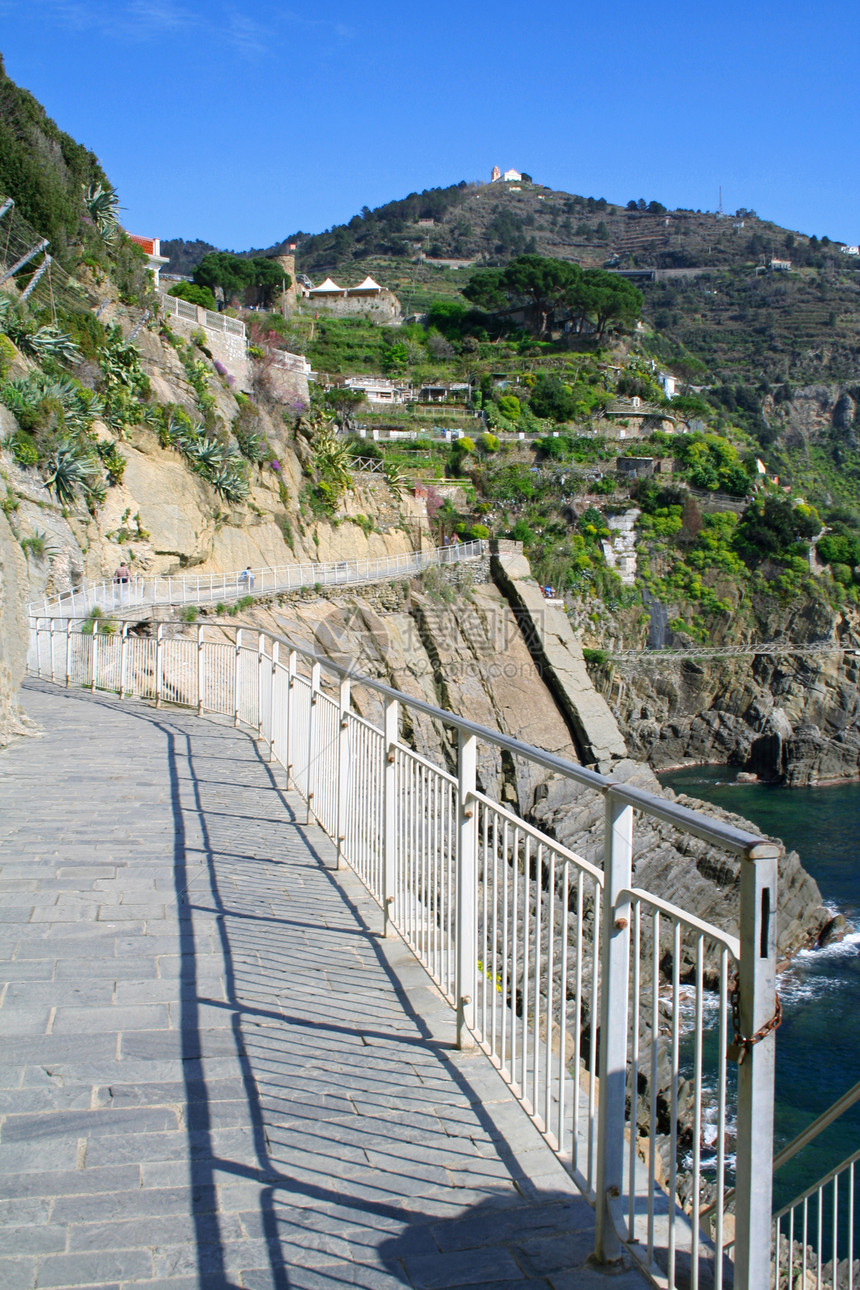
549	287
233	273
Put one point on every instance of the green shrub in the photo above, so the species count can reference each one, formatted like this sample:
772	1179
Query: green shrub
490	442
8	353
24	450
479	532
510	406
194	295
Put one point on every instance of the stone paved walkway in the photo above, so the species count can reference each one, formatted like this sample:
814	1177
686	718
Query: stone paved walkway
214	1072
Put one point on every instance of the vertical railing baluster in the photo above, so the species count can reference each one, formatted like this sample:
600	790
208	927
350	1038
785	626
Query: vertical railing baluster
614	965
313	696
237	677
343	766
467	912
261	654
94	656
201	678
159	661
389	816
276	649
123	661
291	694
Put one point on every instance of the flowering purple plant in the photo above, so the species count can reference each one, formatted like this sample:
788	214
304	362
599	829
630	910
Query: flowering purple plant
231	381
276	465
220	368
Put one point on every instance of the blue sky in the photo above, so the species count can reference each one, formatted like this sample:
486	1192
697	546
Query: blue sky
240	123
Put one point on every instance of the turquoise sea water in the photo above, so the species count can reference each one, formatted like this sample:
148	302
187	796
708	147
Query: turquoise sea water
818	1044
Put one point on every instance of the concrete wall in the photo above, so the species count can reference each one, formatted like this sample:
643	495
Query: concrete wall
381	308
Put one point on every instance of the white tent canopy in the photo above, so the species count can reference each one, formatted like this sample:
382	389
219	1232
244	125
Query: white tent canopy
326	287
367	285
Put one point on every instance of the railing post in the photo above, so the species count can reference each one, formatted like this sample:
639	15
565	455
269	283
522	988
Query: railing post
68	652
757	986
614	969
389	816
51	644
291	685
159	663
312	730
342	767
261	654
94	657
123	660
200	669
237	679
467	889
275	653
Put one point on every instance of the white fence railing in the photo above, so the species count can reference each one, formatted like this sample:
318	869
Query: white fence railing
590	994
203	317
291	362
209	588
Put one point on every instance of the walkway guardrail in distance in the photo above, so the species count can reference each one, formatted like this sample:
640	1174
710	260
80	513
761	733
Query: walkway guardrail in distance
604	1007
210	588
180	308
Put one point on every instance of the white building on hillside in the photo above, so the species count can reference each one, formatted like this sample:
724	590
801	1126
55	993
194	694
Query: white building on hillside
154	258
509	176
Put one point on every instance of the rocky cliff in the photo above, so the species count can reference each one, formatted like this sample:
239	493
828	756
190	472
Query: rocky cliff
790	718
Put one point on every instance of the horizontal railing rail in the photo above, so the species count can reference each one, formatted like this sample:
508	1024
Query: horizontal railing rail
590	994
112	595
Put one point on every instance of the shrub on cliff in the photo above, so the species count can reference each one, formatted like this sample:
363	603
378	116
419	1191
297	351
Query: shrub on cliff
194	295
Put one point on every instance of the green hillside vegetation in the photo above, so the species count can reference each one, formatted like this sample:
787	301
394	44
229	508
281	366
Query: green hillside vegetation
44	169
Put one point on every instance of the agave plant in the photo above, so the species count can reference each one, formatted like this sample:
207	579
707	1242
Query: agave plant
103	204
37	399
120	361
230	485
207	455
252	445
50	342
69	468
395	479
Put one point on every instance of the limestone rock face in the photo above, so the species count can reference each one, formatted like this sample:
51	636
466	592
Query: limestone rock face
13	633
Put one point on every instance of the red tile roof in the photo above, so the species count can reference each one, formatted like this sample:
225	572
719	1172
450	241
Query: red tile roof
147	243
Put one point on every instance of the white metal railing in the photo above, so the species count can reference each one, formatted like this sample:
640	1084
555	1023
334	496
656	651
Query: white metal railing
210	588
590	994
206	318
291	362
822	1219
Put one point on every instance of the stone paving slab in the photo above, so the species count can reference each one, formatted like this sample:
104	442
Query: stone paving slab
214	1073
